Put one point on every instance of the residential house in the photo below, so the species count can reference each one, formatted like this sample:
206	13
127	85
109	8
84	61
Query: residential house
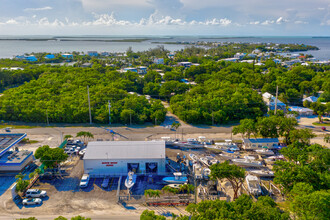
142	70
229	59
93	53
251	55
301	110
269	99
239	55
31	58
132	69
185	64
67	56
159	61
84	65
50	56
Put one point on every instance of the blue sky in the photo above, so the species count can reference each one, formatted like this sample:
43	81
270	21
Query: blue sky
165	17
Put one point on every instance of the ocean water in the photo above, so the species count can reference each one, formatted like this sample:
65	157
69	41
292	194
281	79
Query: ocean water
10	48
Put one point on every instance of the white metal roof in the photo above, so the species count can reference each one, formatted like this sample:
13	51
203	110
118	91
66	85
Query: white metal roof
125	150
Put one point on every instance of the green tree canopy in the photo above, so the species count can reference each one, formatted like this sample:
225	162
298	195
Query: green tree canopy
51	157
232	173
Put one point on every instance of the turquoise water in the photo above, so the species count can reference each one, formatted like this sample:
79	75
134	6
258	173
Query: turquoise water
10	48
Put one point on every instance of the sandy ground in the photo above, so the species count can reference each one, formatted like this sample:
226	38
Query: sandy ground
100	204
305	122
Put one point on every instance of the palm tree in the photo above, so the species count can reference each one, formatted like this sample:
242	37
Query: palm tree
170	190
86	135
68	136
188	188
19	176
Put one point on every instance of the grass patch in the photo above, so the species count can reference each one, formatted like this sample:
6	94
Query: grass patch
17	126
28	141
321	124
284	205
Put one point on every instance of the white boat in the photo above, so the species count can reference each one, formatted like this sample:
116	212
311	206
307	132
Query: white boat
265	151
192	143
273	159
222	146
214	148
197	168
247	163
177	179
130	180
253	184
227	145
213	161
227	156
262	173
206	173
176	186
193	157
250	157
204	160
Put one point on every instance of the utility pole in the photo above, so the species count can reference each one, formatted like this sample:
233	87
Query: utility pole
89	106
130	118
276	100
109	104
47	117
212	118
155	121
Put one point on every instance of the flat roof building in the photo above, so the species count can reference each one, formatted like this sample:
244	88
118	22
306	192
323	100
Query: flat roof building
12	160
255	143
114	158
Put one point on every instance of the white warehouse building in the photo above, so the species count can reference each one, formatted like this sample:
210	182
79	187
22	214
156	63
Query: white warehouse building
114	158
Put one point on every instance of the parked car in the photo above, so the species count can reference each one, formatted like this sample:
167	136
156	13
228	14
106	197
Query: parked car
105	182
35	193
82	152
84	181
32	201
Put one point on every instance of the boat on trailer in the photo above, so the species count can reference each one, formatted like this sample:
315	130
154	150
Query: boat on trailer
177	179
130	180
253	184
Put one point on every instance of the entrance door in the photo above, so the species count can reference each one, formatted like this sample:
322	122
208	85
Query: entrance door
133	167
152	167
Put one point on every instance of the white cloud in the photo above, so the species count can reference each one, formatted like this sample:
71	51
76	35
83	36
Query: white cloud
301	22
11	21
268	22
255	22
281	20
326	23
38	9
45	22
321	9
222	22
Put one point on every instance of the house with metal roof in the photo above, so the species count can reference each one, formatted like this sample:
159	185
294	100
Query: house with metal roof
50	56
116	158
310	99
255	143
302	111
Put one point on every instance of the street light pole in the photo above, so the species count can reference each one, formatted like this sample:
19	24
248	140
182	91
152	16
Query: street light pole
89	106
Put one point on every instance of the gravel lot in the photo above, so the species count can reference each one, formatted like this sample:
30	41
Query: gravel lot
65	196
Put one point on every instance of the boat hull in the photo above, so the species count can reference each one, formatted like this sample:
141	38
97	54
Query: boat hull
172	180
130	183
